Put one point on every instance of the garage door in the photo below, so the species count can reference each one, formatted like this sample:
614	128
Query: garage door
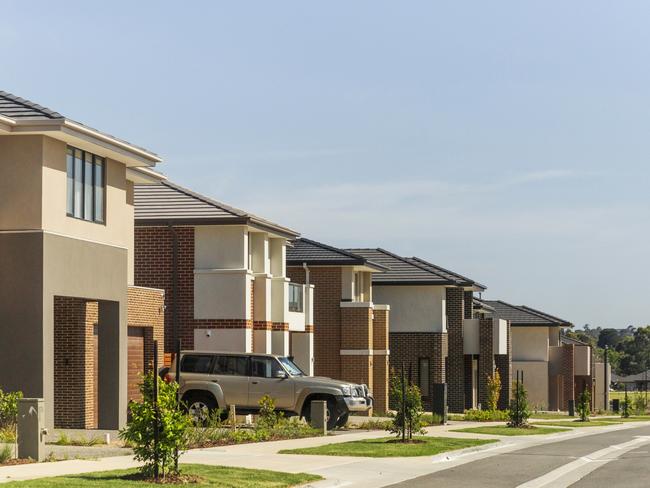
136	362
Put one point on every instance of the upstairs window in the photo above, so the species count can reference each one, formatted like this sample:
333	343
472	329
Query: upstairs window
296	297
86	185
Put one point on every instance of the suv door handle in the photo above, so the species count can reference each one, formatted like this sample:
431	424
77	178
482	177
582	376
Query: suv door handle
215	381
254	382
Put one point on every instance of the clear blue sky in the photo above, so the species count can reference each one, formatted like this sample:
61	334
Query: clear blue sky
508	141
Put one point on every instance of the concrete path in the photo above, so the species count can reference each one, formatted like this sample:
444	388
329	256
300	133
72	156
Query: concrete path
338	471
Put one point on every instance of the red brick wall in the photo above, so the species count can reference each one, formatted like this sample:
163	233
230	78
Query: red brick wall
153	268
485	359
380	362
567	371
146	309
503	363
327	317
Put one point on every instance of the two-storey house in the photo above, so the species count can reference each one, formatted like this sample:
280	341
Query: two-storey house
74	331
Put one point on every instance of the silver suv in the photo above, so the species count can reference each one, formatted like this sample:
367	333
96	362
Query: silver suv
217	380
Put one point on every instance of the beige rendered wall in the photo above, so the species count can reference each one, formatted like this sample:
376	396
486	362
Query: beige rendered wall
535	381
20	184
413	308
529	343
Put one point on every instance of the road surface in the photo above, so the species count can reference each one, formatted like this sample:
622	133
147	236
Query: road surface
605	460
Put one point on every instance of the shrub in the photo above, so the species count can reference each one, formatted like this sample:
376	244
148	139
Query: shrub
475	415
584	405
519	412
9	407
408	416
640	405
493	390
173	425
268	417
6	453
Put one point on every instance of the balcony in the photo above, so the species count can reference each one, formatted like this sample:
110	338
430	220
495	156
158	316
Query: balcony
472	336
292	304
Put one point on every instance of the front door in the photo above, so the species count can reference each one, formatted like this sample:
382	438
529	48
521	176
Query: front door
135	362
264	381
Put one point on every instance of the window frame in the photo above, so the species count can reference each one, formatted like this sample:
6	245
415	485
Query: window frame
427	393
95	163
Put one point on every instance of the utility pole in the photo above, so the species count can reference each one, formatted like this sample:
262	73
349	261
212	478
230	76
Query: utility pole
605	382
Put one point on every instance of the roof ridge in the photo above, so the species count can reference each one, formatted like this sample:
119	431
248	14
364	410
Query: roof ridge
208	200
407	261
428	263
29	104
548	315
332	248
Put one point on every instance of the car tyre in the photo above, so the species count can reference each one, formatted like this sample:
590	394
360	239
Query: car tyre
199	406
343	419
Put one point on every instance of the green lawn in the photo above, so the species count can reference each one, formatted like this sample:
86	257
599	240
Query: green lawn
505	430
577	423
550	415
631	395
211	476
388	447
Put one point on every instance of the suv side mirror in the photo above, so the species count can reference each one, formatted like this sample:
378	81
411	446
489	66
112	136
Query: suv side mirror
279	374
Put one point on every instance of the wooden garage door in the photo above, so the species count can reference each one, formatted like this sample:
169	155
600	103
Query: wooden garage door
136	362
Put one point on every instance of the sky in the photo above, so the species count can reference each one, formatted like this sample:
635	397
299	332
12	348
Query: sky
507	141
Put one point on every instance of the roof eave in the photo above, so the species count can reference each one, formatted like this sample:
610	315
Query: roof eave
77	134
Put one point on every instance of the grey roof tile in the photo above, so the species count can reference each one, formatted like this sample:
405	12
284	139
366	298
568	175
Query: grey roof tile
316	253
18	108
460	279
169	202
522	316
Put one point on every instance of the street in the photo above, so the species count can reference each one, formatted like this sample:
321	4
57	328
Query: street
611	459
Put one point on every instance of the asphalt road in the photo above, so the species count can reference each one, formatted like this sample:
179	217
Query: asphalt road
610	459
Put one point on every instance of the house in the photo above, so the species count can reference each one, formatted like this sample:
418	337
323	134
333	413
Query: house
555	369
75	331
224	275
434	333
351	329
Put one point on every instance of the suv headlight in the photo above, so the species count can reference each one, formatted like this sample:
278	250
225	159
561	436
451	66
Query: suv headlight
346	390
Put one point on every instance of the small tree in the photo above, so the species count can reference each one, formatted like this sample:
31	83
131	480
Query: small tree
519	411
173	425
493	390
584	405
640	404
9	408
625	412
408	402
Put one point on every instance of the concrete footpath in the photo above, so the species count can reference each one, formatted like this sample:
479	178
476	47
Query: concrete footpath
337	471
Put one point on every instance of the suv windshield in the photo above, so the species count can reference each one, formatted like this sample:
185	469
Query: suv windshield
291	367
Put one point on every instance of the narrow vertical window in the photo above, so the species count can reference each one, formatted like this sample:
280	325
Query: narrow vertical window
70	181
88	186
78	184
99	189
423	377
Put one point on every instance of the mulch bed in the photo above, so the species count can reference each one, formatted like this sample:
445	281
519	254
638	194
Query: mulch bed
407	441
16	462
170	479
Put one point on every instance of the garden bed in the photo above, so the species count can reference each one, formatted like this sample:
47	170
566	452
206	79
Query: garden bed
512	431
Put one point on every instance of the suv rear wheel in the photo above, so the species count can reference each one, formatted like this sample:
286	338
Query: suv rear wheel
333	414
199	406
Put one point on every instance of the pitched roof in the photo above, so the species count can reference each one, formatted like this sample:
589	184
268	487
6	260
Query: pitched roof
564	339
548	316
402	271
316	253
460	279
479	304
22	112
171	203
523	316
18	108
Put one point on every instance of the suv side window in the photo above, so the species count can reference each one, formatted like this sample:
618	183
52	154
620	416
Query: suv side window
264	367
196	364
231	365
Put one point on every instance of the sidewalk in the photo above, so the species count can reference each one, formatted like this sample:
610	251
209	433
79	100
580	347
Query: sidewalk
350	471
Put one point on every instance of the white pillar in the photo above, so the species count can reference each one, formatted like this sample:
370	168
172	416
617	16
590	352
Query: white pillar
302	345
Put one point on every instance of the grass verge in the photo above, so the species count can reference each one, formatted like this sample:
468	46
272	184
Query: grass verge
505	430
389	447
206	476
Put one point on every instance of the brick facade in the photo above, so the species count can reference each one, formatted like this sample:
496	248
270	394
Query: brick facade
406	348
456	360
76	346
327	317
154	268
485	359
380	342
567	372
503	363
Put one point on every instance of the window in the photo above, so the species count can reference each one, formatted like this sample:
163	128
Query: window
295	297
86	185
196	364
423	377
231	365
265	367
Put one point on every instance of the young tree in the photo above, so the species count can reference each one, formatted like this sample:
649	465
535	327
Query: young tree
584	405
173	424
519	411
494	390
408	402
